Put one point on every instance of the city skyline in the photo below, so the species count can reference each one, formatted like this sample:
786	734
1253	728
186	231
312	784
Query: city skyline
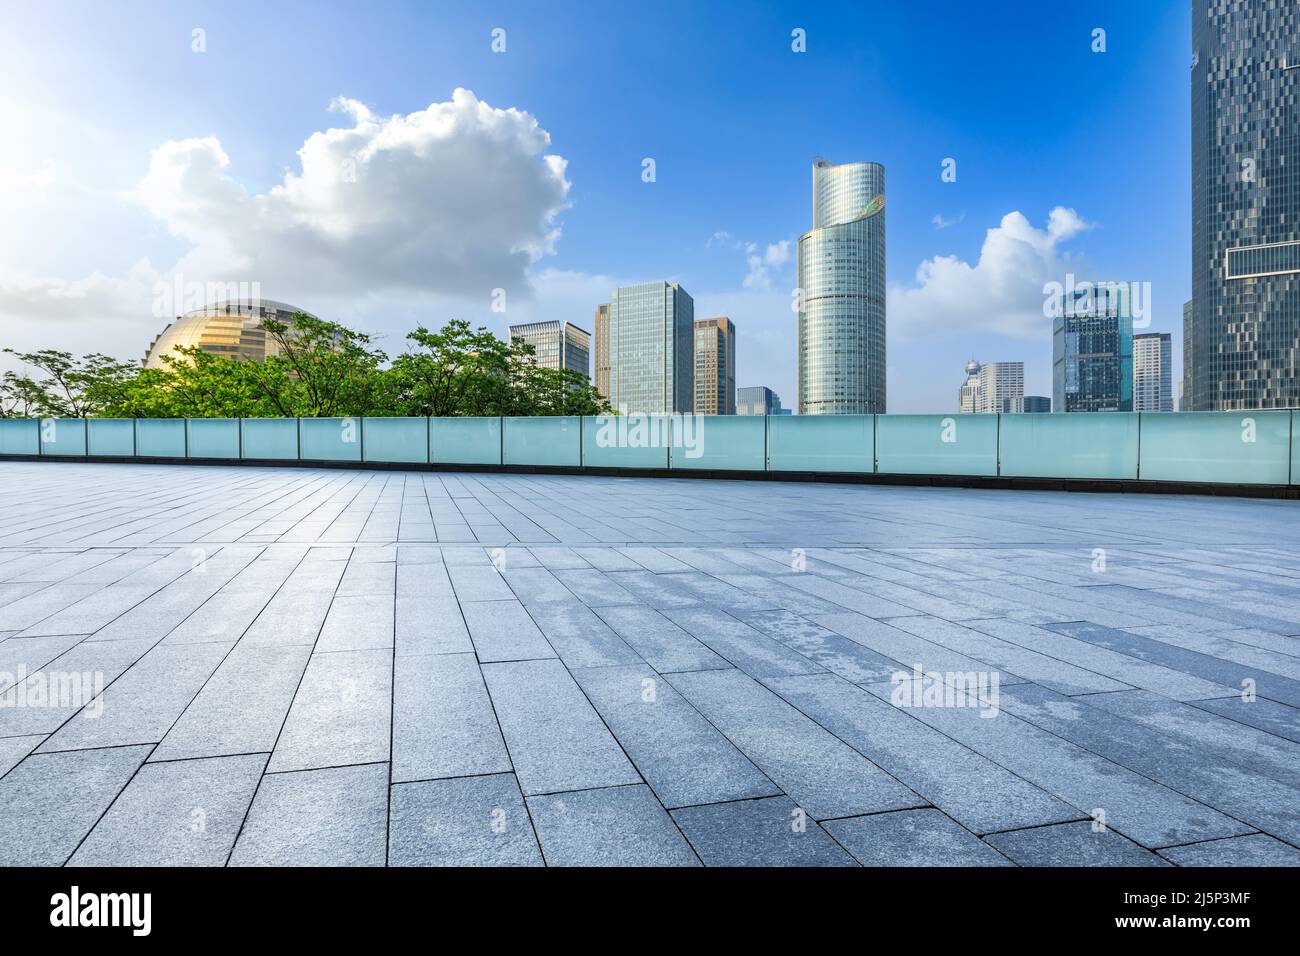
168	194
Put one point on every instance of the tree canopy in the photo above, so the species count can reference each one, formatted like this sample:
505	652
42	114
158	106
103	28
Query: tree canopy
322	369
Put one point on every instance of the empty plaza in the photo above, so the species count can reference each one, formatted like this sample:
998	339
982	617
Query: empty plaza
204	665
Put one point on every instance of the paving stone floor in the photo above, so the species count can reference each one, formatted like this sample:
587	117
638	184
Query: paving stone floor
244	666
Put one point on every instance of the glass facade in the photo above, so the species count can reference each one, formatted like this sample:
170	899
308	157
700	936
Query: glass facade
842	284
556	346
757	400
651	348
602	350
232	329
1152	372
1243	327
1092	351
715	366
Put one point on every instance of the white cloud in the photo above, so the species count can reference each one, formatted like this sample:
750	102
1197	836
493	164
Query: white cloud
456	199
1002	293
941	223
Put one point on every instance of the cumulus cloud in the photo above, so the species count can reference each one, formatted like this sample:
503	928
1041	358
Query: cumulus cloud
457	199
761	260
1000	293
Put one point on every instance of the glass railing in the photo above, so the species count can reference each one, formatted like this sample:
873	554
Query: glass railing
1253	447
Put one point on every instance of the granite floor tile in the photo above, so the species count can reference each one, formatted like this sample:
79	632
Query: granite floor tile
912	838
616	826
769	832
468	821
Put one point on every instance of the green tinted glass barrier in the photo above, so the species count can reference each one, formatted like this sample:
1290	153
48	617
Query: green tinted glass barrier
1251	447
830	443
548	441
1080	445
726	442
213	437
20	436
329	439
625	441
111	437
937	444
465	441
269	438
63	436
395	439
160	437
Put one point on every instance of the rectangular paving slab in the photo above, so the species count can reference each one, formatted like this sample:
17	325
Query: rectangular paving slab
615	826
468	821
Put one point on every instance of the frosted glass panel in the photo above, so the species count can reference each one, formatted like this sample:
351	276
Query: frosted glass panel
465	441
111	437
937	444
270	438
551	441
160	437
330	439
19	436
395	439
728	442
827	443
63	436
213	437
625	441
1231	447
1074	445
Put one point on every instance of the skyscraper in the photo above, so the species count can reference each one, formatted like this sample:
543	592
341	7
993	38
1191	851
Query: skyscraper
1244	324
993	387
842	292
601	369
715	366
651	348
556	346
1153	372
757	400
1092	350
1037	404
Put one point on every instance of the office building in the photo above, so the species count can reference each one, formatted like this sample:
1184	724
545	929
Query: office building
1037	404
992	387
651	348
1243	328
758	400
715	366
232	329
555	345
841	266
1092	350
601	369
1153	372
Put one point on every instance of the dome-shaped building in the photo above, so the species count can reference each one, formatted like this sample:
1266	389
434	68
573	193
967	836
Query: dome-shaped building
232	329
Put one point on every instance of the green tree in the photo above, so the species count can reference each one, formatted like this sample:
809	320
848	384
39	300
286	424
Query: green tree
71	387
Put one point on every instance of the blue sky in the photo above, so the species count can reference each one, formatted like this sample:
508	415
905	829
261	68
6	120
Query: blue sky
711	91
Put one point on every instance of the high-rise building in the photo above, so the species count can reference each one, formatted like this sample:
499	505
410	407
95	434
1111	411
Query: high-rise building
1037	404
993	387
602	350
232	329
1244	327
651	348
1092	350
842	292
555	345
758	400
715	366
1185	386
1153	372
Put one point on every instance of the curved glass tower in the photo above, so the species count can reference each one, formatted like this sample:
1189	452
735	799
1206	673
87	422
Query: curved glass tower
842	279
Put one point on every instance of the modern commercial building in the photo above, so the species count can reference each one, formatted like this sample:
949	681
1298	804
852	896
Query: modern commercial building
651	348
1153	372
232	329
1092	350
842	292
1037	404
1243	328
602	351
758	400
993	387
555	345
715	366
